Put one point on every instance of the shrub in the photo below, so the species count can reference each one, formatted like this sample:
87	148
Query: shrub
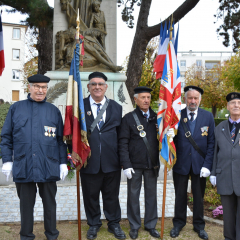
211	194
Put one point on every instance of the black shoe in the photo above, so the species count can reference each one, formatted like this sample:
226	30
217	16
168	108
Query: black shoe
133	233
117	231
153	232
92	232
175	232
201	233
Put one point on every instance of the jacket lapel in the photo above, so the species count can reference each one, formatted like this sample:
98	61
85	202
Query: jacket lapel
198	121
88	111
226	131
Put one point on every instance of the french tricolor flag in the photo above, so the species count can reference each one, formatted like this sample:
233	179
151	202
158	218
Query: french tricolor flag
2	61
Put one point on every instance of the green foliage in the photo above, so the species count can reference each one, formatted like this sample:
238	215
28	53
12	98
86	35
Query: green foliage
218	120
190	199
3	114
229	13
211	194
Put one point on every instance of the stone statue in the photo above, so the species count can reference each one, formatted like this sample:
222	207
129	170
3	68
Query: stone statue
95	57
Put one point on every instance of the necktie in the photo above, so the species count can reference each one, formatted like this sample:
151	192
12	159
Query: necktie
192	114
145	115
100	123
233	132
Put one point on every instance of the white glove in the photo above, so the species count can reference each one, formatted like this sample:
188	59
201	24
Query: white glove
128	172
7	169
63	171
213	180
204	172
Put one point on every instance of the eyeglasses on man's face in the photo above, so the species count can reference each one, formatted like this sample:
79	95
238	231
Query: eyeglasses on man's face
94	84
37	87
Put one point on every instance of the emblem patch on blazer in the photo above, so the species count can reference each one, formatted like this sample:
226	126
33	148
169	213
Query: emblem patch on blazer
204	130
89	113
185	120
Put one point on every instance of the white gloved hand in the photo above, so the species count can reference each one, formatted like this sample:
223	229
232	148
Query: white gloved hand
213	180
171	133
7	169
204	172
63	171
128	172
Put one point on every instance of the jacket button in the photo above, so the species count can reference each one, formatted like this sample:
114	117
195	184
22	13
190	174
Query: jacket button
189	153
34	154
100	133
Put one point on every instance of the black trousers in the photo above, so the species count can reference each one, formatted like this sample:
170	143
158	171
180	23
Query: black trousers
231	216
198	189
27	195
150	194
108	184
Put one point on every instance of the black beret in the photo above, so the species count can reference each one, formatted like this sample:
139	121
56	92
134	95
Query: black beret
97	75
233	95
38	78
142	89
193	88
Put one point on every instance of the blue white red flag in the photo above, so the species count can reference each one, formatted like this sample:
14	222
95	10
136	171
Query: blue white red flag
162	49
169	109
75	128
2	61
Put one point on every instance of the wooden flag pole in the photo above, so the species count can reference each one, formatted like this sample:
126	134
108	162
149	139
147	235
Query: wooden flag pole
163	202
78	205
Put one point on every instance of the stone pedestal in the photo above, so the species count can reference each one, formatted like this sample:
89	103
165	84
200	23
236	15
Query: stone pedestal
116	89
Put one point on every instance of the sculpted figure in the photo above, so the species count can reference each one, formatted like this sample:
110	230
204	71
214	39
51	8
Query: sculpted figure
95	53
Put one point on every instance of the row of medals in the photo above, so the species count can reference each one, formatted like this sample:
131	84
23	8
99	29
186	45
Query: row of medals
48	131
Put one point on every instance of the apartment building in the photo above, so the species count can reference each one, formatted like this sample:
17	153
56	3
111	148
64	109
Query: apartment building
206	59
11	87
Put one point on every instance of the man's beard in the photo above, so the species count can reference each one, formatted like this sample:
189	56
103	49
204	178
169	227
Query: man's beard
192	106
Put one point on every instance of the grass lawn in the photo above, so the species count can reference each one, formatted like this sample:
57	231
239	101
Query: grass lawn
69	231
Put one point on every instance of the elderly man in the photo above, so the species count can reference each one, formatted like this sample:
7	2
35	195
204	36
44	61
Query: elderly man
138	149
103	171
226	167
195	148
32	136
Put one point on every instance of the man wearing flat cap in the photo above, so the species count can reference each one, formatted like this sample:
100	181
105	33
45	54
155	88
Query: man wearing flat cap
103	171
33	151
138	149
226	167
194	148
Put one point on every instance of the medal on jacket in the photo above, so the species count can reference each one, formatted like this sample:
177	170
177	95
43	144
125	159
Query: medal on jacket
140	129
53	131
49	131
46	130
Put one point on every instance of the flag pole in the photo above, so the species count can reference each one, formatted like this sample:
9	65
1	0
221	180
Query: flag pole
163	203
77	171
165	166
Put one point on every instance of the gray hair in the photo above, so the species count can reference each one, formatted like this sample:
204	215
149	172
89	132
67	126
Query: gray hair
191	89
135	95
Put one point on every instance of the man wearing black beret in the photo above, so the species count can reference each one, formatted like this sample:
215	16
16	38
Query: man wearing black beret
226	167
194	148
103	171
33	135
139	156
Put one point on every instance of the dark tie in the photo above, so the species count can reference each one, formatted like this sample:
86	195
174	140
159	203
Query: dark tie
100	123
233	132
192	114
145	115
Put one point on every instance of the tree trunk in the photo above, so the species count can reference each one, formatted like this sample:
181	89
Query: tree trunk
143	35
44	47
214	111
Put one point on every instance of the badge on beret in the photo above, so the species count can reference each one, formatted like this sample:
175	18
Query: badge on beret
185	120
89	113
204	130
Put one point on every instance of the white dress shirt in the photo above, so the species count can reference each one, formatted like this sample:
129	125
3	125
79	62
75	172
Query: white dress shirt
194	116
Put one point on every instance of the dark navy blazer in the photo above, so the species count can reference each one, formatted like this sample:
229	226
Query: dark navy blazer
187	156
106	139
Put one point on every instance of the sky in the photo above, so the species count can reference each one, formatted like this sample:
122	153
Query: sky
197	30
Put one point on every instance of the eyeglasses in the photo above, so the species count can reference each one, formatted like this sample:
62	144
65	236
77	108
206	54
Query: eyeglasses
37	87
94	84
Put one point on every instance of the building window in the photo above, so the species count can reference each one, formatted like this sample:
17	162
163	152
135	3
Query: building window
16	33
183	84
182	74
15	95
15	74
183	63
199	63
211	65
16	54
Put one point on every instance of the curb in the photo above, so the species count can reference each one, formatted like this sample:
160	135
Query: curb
220	222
